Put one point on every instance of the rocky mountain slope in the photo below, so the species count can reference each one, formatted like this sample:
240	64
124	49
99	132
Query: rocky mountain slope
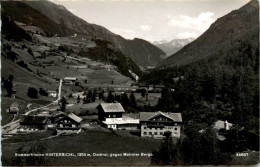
171	47
228	32
58	20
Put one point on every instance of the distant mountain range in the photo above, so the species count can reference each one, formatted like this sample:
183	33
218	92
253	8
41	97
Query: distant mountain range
56	19
171	47
228	32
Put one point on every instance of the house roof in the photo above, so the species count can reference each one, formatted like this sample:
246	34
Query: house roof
58	114
112	107
33	120
70	78
146	116
14	104
75	117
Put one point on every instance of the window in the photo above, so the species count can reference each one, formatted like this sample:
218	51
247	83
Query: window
150	133
175	128
155	133
144	127
145	133
161	133
161	128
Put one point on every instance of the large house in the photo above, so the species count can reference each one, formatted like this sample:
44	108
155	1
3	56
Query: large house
154	124
30	124
68	123
111	115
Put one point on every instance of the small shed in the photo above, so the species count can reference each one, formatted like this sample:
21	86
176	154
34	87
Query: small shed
14	108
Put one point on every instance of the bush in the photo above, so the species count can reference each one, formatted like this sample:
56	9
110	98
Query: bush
32	93
43	92
22	64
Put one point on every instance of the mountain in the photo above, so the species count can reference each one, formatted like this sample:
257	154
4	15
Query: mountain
171	47
58	20
225	34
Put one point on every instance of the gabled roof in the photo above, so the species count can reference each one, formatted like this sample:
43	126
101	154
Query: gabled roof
147	116
75	117
112	107
58	114
14	104
71	116
33	120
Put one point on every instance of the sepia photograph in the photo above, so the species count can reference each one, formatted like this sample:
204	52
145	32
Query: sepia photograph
130	82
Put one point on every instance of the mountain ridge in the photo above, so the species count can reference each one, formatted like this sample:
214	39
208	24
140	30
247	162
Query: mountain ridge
223	35
144	55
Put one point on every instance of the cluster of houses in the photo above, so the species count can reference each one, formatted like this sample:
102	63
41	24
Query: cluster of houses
110	115
63	122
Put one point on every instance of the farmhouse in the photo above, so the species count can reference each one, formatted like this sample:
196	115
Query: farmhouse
30	124
68	123
70	80
154	124
111	115
52	93
14	108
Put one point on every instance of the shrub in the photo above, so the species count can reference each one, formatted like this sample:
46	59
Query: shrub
32	93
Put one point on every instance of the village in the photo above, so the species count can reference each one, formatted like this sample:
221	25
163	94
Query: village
107	115
77	115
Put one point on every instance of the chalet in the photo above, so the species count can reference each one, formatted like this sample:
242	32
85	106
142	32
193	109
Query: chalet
217	126
29	124
70	80
52	93
111	115
14	108
155	124
69	123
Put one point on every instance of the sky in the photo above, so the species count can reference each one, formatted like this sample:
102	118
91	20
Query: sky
153	20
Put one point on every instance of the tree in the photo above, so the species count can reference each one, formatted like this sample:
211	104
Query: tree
167	153
43	92
101	95
89	96
132	101
63	103
94	95
8	85
167	99
124	100
32	93
78	99
110	97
